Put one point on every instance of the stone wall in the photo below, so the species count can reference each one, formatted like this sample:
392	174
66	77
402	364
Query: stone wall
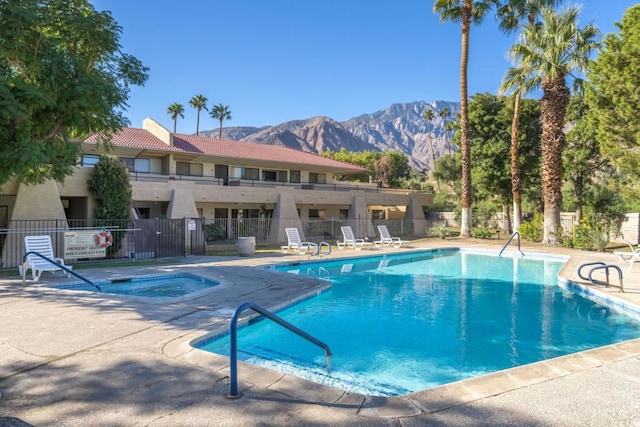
630	229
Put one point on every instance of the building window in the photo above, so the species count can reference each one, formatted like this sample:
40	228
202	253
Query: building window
89	160
279	176
137	165
317	213
221	213
190	169
294	176
317	178
377	214
245	173
344	214
4	216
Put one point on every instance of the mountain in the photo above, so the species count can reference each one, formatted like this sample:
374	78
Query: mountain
399	127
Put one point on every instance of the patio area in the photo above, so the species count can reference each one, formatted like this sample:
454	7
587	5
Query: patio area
71	359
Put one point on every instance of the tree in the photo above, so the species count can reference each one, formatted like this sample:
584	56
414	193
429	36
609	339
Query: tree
63	76
466	12
175	110
221	113
387	168
510	16
390	168
198	102
445	114
582	154
429	115
490	118
614	99
551	51
361	158
110	186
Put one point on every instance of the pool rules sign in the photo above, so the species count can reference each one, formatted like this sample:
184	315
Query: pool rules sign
82	244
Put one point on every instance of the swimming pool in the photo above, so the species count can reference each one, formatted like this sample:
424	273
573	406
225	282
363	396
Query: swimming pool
169	285
408	322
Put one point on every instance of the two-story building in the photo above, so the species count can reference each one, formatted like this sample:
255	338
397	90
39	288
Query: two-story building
186	176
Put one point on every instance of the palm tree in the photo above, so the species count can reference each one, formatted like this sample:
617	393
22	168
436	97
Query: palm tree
466	12
175	110
429	115
518	82
198	102
550	51
510	15
221	112
444	114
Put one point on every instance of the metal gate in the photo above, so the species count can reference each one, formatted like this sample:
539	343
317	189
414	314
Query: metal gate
158	238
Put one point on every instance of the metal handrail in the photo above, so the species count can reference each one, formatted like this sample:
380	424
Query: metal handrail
515	233
63	267
233	332
319	249
586	264
599	265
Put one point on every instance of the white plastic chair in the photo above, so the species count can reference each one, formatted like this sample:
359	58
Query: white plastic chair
632	256
43	246
350	240
296	244
387	240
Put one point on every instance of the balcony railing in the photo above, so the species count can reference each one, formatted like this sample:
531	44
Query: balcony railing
235	182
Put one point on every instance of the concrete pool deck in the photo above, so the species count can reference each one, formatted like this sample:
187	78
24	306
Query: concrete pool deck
69	358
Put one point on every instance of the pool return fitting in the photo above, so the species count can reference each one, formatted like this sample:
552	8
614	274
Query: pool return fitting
233	335
599	265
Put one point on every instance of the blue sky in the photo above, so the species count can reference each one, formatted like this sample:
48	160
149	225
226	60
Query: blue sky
284	60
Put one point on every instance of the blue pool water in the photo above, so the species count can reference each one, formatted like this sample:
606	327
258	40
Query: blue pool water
406	323
173	285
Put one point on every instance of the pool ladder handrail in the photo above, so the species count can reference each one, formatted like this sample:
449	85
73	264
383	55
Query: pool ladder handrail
515	233
63	267
319	251
233	332
599	265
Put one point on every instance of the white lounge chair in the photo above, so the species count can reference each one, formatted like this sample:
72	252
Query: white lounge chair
387	240
43	246
632	256
296	245
350	240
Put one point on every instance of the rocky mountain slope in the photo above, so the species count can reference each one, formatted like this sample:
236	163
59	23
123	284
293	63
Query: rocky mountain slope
399	127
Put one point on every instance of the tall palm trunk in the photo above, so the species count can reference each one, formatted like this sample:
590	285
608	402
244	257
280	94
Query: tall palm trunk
433	151
578	188
516	184
198	123
553	108
465	148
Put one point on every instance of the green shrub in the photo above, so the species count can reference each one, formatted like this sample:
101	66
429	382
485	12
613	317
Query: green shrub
591	234
213	232
439	229
483	232
532	230
110	187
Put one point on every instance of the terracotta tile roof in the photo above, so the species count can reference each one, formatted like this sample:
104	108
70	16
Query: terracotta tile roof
142	138
135	138
248	150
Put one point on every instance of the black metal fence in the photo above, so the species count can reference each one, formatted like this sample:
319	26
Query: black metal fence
165	238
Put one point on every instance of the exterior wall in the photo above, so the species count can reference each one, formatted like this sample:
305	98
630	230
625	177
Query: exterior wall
158	131
630	229
448	218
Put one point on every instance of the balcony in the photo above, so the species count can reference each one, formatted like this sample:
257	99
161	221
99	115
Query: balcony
235	182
